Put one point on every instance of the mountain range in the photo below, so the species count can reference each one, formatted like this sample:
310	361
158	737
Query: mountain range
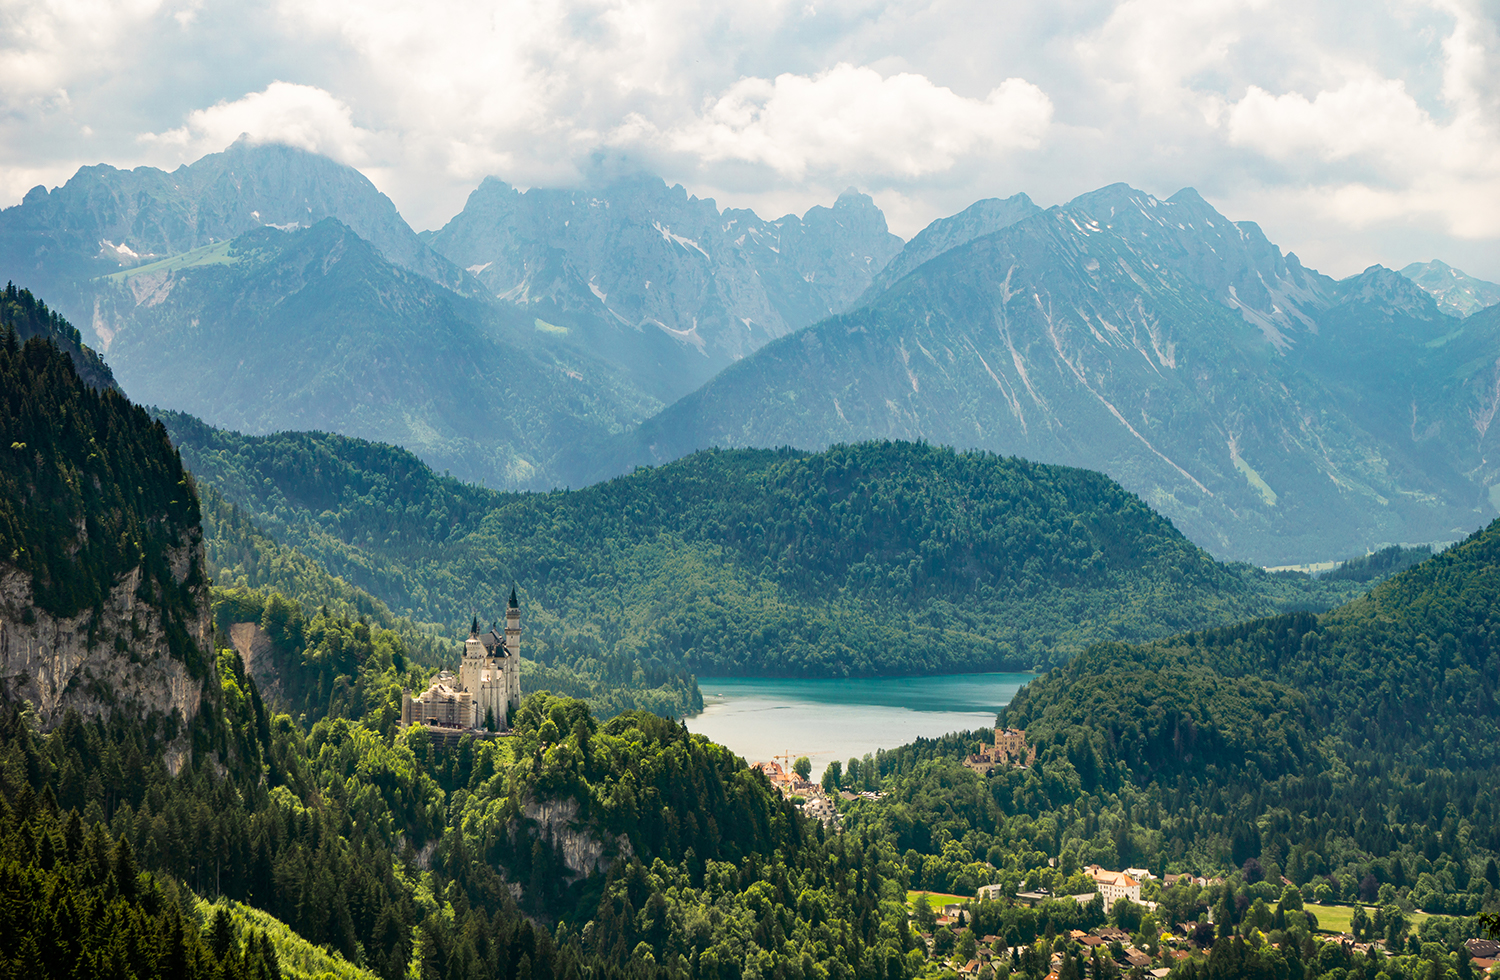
1268	410
666	284
105	219
559	337
315	329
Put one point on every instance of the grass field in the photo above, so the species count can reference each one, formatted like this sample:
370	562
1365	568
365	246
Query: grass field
298	958
216	254
1335	918
936	899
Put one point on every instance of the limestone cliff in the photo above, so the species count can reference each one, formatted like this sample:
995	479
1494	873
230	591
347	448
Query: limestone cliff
112	658
258	651
580	849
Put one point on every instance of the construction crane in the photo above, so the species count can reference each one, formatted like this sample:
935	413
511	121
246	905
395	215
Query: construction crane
786	758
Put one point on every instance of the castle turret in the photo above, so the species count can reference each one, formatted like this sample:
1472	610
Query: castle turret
512	668
471	673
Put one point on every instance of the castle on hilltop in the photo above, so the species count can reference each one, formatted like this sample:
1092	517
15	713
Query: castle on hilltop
487	691
1010	749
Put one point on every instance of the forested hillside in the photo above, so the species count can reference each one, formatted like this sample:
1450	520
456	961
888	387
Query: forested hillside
91	487
29	317
1353	752
318	637
570	848
881	558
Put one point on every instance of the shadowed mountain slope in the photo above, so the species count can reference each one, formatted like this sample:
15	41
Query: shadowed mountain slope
316	329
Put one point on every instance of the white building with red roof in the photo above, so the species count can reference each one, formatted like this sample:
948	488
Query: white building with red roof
1114	885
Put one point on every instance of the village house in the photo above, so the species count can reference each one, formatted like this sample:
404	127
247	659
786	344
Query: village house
1484	953
788	783
821	808
1114	885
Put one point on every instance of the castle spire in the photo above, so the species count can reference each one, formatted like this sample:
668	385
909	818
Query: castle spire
513	603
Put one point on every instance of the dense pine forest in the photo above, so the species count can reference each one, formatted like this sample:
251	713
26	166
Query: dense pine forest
91	488
29	317
1344	758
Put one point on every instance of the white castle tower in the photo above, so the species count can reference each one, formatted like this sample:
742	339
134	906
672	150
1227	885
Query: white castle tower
513	650
486	692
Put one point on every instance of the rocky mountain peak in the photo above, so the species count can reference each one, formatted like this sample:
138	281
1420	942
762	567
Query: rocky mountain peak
669	284
977	220
1233	261
104	219
1457	293
1389	292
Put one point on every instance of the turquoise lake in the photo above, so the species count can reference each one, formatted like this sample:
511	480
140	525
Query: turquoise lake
759	718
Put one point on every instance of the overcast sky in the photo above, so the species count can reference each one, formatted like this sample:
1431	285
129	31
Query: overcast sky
1353	132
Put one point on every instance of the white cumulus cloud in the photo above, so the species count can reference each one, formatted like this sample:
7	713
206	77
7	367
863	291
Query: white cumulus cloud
1367	116
1387	156
298	115
48	47
851	120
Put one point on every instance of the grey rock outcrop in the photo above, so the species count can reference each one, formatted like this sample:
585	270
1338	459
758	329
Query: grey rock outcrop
258	651
580	849
100	662
665	283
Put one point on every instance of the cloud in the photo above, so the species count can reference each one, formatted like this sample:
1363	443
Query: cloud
298	115
1351	131
46	47
1366	116
851	120
1385	156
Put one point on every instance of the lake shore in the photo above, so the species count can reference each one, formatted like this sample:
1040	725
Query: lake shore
828	719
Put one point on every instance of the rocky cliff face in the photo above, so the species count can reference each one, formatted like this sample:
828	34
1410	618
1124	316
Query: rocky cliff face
665	283
115	658
258	651
582	851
